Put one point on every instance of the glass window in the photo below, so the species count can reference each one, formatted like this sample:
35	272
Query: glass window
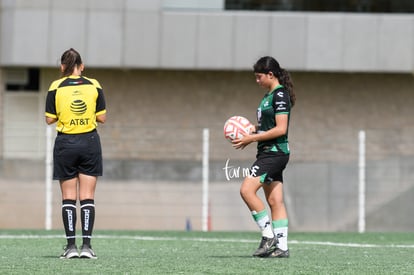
22	79
372	6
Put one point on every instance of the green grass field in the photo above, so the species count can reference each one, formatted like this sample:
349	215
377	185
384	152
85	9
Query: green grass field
168	252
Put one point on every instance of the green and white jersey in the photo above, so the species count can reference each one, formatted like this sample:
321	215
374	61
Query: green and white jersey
273	103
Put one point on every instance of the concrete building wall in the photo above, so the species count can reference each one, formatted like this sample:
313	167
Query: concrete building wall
153	139
158	115
150	34
331	108
169	74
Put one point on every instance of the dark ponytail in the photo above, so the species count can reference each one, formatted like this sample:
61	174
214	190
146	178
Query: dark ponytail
286	81
268	64
70	59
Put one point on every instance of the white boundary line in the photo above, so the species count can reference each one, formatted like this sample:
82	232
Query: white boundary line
147	238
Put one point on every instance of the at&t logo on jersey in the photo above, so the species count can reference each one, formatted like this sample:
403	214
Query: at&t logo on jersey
79	121
79	107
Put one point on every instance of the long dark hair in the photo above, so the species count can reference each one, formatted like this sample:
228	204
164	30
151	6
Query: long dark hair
268	64
70	59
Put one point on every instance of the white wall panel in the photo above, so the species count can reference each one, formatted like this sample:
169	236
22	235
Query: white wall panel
23	138
26	37
324	42
104	39
142	34
79	5
7	34
215	41
143	5
142	39
396	43
288	40
109	5
193	4
65	34
40	4
360	42
252	35
178	40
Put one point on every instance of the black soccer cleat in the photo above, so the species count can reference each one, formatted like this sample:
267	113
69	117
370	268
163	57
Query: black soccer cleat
87	252
267	245
279	253
71	251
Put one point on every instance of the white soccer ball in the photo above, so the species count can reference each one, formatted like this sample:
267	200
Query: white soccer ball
236	126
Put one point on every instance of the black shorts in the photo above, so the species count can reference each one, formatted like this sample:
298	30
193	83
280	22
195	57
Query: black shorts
77	153
269	167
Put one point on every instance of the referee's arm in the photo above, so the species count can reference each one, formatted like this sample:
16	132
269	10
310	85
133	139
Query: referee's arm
101	118
50	120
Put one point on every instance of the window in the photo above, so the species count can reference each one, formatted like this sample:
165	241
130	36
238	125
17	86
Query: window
22	79
371	6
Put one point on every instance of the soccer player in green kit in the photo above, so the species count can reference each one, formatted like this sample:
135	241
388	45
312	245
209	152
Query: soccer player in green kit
272	157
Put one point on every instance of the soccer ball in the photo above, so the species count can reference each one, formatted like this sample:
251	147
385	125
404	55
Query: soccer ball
236	126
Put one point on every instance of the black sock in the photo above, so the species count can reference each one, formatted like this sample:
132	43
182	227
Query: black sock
88	219
69	220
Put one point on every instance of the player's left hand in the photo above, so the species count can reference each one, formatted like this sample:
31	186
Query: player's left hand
241	143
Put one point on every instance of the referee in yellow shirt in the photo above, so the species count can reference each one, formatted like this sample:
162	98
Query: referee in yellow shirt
76	103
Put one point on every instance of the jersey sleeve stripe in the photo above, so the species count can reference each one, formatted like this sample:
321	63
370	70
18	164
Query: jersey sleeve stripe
101	112
50	115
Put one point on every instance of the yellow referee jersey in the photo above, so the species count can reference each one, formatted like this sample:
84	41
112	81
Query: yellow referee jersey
75	101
